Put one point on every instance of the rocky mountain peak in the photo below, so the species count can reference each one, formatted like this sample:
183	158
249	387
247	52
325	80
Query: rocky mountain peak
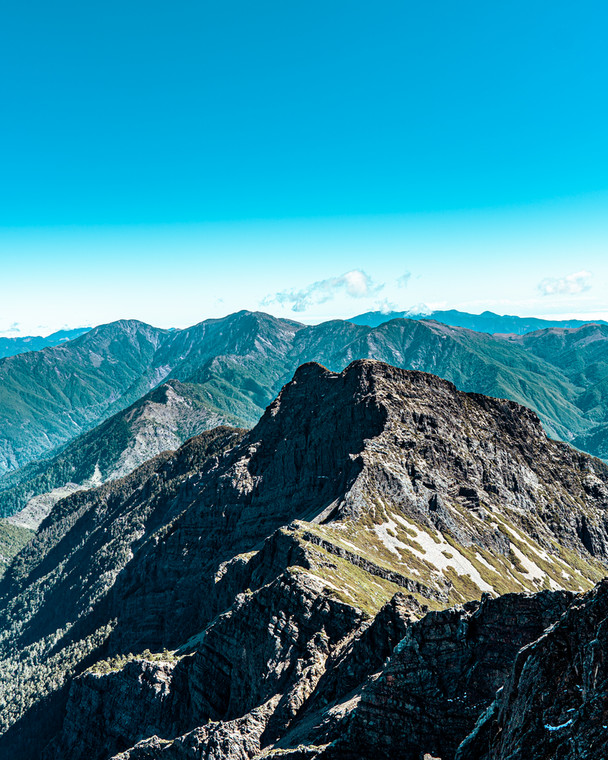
423	460
282	546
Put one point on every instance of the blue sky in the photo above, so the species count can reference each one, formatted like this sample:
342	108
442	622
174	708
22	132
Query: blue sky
173	162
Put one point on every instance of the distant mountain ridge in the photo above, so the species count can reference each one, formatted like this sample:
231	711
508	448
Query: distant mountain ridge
487	321
49	397
239	363
14	346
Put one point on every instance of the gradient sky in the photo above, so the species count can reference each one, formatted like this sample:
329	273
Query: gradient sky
178	161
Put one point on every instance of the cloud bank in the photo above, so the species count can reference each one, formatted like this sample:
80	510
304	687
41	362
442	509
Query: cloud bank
356	284
570	285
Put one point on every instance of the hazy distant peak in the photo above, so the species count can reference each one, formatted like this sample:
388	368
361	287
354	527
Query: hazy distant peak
487	321
21	345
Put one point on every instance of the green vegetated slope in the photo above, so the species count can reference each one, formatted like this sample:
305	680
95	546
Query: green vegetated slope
51	396
581	356
239	363
596	440
48	397
162	420
286	540
12	539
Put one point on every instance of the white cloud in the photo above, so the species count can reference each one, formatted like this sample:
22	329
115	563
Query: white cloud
12	331
423	308
570	285
355	284
384	306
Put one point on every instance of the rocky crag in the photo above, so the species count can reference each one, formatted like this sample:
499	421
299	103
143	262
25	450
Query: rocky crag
555	701
239	598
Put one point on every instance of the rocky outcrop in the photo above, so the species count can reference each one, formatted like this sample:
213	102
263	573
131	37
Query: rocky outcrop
368	651
275	641
554	704
237	739
442	675
121	707
341	697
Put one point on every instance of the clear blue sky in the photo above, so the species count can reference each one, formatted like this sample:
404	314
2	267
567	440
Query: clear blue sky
173	161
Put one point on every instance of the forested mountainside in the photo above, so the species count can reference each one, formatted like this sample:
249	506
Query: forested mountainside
162	420
238	598
228	370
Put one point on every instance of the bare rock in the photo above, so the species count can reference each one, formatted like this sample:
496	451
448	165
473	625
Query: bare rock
554	703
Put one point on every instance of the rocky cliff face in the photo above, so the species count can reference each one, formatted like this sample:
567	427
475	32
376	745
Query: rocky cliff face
555	700
442	675
266	565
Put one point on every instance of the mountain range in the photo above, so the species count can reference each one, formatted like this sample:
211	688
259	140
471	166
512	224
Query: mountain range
375	570
487	321
93	408
162	420
12	346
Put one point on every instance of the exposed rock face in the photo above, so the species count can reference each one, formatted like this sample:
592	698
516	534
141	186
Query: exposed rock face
555	702
134	702
366	653
289	640
262	560
443	674
237	739
272	642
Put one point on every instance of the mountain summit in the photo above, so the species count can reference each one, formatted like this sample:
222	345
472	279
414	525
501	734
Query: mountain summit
234	580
